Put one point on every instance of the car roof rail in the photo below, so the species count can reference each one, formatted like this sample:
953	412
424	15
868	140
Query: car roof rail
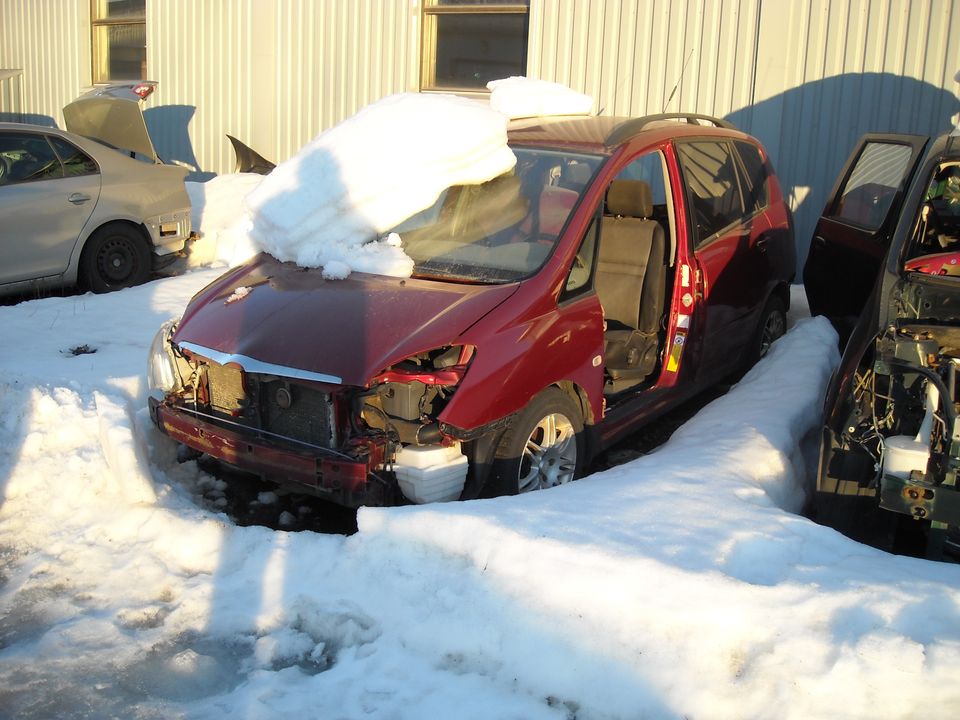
634	126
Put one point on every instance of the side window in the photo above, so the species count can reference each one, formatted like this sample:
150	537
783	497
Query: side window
712	188
27	157
467	43
754	176
578	280
873	183
75	161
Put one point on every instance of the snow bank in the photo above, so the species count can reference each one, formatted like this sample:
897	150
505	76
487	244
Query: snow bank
366	175
676	585
222	219
520	97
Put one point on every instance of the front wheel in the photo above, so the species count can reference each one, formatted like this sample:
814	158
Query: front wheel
115	257
542	448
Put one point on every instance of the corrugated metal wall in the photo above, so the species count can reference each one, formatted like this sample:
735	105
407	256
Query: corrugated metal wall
273	74
639	57
829	71
50	41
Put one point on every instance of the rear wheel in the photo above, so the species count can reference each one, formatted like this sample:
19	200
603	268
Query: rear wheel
115	257
542	448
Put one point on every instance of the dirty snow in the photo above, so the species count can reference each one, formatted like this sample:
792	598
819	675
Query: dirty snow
522	97
682	584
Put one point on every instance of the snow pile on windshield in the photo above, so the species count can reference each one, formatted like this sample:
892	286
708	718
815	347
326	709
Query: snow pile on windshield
363	177
520	97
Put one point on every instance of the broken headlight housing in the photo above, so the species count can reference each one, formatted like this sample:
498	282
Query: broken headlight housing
163	375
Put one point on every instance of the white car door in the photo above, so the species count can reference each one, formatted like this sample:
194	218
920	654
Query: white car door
45	201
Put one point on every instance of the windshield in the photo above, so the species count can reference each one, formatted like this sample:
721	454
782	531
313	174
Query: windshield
504	229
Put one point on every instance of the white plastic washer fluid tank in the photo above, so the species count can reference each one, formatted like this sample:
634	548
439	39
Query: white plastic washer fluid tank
903	453
431	473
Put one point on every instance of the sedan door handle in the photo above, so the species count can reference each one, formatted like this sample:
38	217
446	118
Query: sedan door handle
78	198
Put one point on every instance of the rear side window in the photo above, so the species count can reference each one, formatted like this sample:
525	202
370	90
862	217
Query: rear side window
75	161
755	176
876	178
27	157
712	188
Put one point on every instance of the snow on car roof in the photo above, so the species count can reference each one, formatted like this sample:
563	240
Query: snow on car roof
520	97
359	179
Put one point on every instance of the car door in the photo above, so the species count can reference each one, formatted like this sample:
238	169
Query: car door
853	233
724	234
45	201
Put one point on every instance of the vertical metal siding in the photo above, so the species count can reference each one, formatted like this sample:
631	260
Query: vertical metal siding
631	54
272	74
50	41
830	70
334	57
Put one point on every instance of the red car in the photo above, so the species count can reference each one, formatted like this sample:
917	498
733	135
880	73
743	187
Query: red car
622	266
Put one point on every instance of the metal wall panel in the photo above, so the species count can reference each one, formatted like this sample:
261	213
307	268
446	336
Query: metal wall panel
830	70
639	57
50	41
273	74
335	57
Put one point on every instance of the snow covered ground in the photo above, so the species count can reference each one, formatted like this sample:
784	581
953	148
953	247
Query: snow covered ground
681	584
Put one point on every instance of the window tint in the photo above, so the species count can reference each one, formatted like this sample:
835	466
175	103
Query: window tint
27	157
75	161
876	177
465	45
755	176
712	189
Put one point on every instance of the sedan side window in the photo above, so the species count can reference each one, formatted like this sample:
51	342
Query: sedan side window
712	187
75	161
27	157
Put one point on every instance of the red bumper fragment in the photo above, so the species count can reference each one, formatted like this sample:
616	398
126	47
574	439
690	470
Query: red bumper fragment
345	481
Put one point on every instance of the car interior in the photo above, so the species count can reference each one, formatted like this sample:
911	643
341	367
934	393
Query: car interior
631	281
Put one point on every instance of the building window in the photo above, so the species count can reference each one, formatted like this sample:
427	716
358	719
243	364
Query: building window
467	43
119	40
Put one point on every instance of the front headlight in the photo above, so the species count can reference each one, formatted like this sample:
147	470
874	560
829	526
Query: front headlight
162	373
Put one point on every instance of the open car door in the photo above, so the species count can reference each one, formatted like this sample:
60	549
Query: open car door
853	233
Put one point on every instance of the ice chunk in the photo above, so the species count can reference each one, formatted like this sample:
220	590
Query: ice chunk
518	97
363	177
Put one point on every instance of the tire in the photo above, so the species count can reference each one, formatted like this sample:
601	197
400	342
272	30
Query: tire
772	327
543	446
115	257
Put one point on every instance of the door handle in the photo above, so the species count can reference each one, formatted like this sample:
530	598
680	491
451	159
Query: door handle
78	198
820	240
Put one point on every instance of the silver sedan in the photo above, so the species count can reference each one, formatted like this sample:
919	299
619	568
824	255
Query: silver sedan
95	212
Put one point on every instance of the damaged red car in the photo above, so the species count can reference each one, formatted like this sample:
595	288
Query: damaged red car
622	266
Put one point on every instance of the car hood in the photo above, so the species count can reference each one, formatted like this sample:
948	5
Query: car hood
118	122
272	313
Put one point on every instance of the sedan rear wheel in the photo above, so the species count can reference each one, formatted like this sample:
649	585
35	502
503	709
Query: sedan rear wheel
542	448
115	256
